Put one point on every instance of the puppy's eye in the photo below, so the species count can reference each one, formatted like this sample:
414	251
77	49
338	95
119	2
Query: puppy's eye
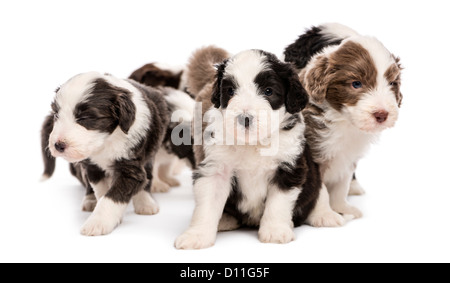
357	85
268	91
230	91
394	84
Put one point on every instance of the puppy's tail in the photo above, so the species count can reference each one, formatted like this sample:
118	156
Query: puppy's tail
201	70
49	160
314	41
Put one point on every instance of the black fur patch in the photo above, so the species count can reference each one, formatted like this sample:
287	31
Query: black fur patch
217	88
106	108
304	174
94	173
306	46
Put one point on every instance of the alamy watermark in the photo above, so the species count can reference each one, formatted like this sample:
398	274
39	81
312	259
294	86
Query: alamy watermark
227	128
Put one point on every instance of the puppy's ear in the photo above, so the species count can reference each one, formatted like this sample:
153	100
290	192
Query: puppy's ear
316	79
399	95
126	112
296	97
216	92
49	160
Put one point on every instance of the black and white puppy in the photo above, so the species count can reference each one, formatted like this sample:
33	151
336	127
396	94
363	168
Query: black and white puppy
354	85
257	170
113	129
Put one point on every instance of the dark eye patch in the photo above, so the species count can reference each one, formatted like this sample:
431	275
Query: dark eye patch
228	90
271	87
96	114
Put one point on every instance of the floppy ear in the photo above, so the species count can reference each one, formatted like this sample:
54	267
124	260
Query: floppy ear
126	112
316	79
399	95
49	160
216	92
296	97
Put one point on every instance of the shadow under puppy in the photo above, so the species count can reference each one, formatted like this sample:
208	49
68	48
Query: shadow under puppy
264	175
354	85
110	130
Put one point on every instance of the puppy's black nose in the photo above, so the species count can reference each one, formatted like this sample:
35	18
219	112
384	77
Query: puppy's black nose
60	146
245	120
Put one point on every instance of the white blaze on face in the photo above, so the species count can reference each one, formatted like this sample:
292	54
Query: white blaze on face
78	143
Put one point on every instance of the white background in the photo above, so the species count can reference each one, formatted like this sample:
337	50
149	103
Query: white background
44	43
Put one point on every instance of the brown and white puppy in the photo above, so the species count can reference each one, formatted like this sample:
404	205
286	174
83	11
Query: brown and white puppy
110	130
251	174
354	85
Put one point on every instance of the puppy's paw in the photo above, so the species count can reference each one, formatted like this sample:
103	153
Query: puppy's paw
194	239
326	219
276	234
159	187
356	189
89	202
144	204
146	209
348	210
98	226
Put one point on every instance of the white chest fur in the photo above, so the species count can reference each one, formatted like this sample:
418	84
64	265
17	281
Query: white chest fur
341	146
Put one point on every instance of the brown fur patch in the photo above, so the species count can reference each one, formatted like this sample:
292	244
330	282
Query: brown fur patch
201	69
350	63
332	77
393	76
204	96
151	75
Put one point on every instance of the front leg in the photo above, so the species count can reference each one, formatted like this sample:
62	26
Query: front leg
128	179
338	191
211	193
276	224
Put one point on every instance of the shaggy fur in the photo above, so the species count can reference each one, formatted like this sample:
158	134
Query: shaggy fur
110	130
354	85
239	183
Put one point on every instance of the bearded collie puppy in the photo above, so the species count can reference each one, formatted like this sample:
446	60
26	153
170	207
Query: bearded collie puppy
110	130
257	169
354	86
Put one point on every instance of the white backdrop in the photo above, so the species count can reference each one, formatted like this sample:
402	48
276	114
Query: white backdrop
43	43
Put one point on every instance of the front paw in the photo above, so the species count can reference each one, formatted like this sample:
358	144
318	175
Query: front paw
348	210
98	226
144	204
194	239
276	234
